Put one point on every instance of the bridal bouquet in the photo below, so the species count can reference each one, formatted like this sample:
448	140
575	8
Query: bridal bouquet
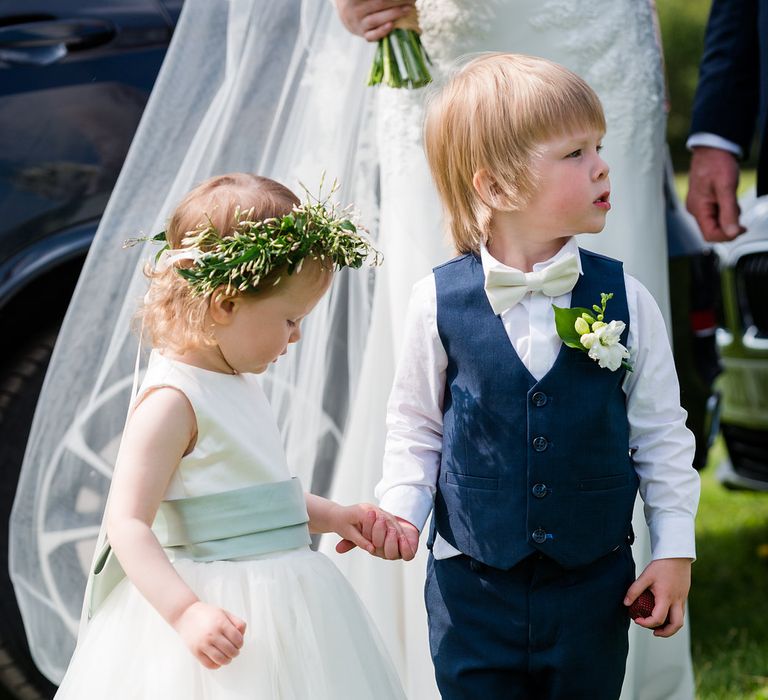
586	330
400	60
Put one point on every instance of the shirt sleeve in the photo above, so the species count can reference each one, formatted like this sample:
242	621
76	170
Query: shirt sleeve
662	446
713	141
415	413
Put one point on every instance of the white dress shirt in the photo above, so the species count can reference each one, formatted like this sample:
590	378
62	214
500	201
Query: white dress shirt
703	138
663	446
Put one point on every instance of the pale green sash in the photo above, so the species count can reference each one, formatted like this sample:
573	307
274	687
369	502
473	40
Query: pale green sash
229	525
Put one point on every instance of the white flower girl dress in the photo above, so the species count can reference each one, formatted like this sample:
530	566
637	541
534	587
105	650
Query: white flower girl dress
308	636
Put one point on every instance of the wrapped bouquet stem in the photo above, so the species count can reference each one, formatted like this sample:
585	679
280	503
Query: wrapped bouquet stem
400	60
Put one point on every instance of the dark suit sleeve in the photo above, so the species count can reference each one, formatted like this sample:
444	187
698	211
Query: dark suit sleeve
727	96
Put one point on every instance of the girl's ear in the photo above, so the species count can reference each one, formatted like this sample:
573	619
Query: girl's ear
221	307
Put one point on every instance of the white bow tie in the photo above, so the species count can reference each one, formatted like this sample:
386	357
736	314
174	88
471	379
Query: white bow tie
507	287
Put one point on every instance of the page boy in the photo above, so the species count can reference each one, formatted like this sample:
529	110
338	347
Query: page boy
531	452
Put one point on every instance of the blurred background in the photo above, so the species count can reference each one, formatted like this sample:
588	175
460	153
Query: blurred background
729	597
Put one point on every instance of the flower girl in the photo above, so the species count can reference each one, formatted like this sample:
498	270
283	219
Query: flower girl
206	586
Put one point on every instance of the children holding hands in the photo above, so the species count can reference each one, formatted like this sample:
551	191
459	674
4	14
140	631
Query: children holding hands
535	396
525	439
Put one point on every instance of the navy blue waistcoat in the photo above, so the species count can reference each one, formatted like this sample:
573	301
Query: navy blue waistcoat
530	465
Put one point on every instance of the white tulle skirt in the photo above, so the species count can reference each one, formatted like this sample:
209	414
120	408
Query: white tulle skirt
308	637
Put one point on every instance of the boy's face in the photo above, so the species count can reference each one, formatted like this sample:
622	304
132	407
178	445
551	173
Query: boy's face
572	186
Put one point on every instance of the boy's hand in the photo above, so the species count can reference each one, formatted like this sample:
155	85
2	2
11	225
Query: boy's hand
386	535
669	580
393	537
213	635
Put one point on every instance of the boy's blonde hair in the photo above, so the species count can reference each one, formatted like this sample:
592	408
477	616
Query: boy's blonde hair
491	115
172	316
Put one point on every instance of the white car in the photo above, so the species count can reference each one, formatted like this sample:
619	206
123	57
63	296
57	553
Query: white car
743	344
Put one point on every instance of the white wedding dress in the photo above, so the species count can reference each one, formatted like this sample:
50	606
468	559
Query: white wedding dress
613	45
279	89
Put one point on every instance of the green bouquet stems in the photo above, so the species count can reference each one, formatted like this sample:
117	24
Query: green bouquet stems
400	61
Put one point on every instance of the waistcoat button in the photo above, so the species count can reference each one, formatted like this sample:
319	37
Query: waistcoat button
539	536
540	490
539	398
540	443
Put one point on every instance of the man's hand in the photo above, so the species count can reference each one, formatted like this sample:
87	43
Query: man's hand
372	19
713	179
669	580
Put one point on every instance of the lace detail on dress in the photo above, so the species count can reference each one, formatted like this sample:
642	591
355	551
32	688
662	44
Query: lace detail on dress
451	27
619	58
611	43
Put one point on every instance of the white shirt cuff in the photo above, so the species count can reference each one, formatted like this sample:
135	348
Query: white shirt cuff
411	503
673	537
713	141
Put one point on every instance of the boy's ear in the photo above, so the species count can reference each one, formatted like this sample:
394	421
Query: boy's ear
488	190
221	307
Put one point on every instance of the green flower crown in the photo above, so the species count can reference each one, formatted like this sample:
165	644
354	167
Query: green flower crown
316	229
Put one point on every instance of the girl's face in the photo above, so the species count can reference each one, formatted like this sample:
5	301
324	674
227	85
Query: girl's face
256	330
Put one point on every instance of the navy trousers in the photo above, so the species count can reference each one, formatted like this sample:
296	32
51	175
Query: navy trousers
535	632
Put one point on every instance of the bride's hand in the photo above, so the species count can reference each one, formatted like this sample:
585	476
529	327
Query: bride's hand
372	19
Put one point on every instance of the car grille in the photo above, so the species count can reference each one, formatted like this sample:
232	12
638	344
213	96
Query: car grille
752	291
748	450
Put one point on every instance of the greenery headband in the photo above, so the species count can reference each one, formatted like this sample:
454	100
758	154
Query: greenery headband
316	229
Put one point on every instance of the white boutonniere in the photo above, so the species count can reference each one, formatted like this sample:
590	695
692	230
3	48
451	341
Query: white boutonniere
585	330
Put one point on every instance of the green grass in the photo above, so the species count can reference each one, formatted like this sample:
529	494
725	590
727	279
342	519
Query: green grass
729	595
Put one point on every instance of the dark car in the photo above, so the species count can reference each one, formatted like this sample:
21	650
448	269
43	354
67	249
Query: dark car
74	79
694	287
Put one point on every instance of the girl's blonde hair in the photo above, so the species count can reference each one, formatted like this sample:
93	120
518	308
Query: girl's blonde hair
172	316
491	115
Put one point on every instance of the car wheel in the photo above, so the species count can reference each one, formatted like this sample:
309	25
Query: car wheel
20	385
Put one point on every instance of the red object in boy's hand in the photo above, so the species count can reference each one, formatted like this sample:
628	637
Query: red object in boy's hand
643	605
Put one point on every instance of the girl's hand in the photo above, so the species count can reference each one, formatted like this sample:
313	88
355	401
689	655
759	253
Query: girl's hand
390	537
669	580
350	523
214	636
372	19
